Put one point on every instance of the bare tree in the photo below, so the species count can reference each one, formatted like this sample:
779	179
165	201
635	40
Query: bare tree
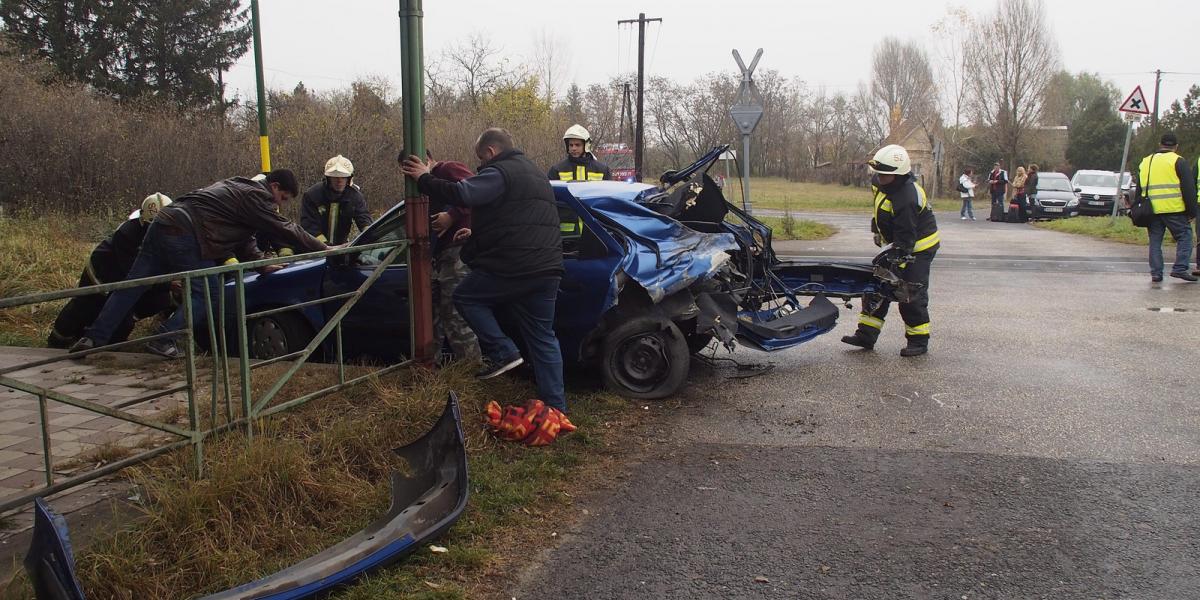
551	59
1012	59
902	82
477	68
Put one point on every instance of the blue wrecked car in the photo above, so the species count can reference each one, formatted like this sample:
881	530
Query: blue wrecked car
653	274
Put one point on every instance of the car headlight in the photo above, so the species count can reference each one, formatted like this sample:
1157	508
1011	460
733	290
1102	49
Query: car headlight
1073	202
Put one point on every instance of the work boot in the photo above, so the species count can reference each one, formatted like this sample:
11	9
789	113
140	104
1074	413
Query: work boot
84	343
860	340
915	347
58	340
491	369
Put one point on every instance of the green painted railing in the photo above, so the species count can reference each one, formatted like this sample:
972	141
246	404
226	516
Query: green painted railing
219	378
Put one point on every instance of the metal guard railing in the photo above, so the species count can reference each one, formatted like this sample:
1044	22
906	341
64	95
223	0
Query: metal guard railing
196	432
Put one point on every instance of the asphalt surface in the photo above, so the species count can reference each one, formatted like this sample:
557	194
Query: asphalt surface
1047	447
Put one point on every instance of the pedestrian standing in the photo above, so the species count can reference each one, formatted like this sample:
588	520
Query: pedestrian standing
1018	187
1031	185
998	185
1165	181
966	190
514	250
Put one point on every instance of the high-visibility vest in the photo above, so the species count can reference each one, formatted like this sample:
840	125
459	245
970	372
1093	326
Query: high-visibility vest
581	173
1160	183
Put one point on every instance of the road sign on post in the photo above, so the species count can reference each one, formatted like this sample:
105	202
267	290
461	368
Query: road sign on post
1135	103
1133	106
746	112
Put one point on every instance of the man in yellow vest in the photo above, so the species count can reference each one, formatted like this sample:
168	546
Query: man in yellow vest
580	164
1165	181
904	221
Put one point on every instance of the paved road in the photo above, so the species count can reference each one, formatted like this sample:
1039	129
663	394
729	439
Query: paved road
1049	447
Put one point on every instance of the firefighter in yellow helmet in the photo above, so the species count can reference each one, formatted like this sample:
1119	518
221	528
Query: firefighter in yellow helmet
109	262
1165	180
904	225
331	206
580	164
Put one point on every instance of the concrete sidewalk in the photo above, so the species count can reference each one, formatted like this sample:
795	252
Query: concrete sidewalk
80	439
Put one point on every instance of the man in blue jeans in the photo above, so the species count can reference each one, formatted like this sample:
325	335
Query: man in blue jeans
196	230
514	249
1165	180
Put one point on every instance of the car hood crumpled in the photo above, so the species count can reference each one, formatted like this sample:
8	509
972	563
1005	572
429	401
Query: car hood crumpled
664	256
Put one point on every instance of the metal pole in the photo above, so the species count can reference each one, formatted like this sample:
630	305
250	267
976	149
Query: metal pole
1121	173
420	268
746	204
264	145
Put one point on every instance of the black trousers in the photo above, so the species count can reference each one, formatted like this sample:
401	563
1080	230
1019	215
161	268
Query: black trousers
80	311
915	312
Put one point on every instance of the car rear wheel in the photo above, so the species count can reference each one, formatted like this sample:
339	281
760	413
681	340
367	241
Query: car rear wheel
278	334
645	358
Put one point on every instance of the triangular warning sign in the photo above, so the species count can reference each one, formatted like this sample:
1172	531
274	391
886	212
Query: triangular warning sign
1135	103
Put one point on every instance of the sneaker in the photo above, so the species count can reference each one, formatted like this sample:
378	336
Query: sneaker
914	350
83	343
972	218
963	218
1185	276
164	348
858	340
491	369
1156	279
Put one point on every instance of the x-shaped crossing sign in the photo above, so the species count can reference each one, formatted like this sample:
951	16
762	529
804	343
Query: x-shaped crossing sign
747	109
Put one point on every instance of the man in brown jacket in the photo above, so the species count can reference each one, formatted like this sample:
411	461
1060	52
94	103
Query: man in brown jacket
196	231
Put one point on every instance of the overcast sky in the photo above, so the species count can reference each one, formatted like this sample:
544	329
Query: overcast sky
329	44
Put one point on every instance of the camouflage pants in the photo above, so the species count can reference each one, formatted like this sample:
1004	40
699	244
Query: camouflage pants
448	325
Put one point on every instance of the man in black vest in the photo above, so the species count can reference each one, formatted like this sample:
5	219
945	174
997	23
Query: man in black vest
514	249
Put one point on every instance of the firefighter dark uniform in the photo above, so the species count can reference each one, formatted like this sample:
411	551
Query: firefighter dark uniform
328	217
584	168
904	219
109	262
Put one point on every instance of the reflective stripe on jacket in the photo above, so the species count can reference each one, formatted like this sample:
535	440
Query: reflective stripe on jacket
924	234
1159	183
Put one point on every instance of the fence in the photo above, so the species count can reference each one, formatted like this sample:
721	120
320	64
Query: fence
231	285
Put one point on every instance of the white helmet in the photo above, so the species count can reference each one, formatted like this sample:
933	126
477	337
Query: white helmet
891	160
150	207
339	166
577	132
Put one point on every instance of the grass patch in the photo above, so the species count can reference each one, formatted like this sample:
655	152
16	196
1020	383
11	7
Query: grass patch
39	254
1102	228
779	194
311	477
787	228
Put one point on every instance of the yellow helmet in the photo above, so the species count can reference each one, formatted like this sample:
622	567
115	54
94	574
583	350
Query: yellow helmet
891	160
577	132
339	166
151	205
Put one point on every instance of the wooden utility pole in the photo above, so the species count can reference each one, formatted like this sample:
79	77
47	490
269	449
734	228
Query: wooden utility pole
1157	84
639	133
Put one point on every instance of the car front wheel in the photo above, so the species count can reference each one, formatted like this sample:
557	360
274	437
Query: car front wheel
645	358
278	334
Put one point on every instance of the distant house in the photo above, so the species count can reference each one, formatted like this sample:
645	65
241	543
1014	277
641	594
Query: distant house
916	139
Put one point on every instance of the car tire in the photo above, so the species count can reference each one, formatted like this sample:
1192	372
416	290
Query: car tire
278	334
645	358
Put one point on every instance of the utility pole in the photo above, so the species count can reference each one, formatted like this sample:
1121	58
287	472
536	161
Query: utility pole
639	133
1157	84
264	144
412	77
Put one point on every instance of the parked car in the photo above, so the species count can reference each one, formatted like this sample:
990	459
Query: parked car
1097	190
653	273
1056	197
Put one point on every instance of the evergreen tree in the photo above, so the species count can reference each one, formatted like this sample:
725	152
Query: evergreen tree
1096	137
171	50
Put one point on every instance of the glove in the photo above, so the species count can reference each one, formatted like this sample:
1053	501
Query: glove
900	258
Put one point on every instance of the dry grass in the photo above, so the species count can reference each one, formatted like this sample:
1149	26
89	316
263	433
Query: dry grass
37	254
314	476
779	194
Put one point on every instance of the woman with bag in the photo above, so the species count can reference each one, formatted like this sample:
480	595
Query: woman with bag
1018	184
966	190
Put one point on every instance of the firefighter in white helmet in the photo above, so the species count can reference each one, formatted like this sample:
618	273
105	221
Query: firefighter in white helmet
904	224
109	262
580	164
331	206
